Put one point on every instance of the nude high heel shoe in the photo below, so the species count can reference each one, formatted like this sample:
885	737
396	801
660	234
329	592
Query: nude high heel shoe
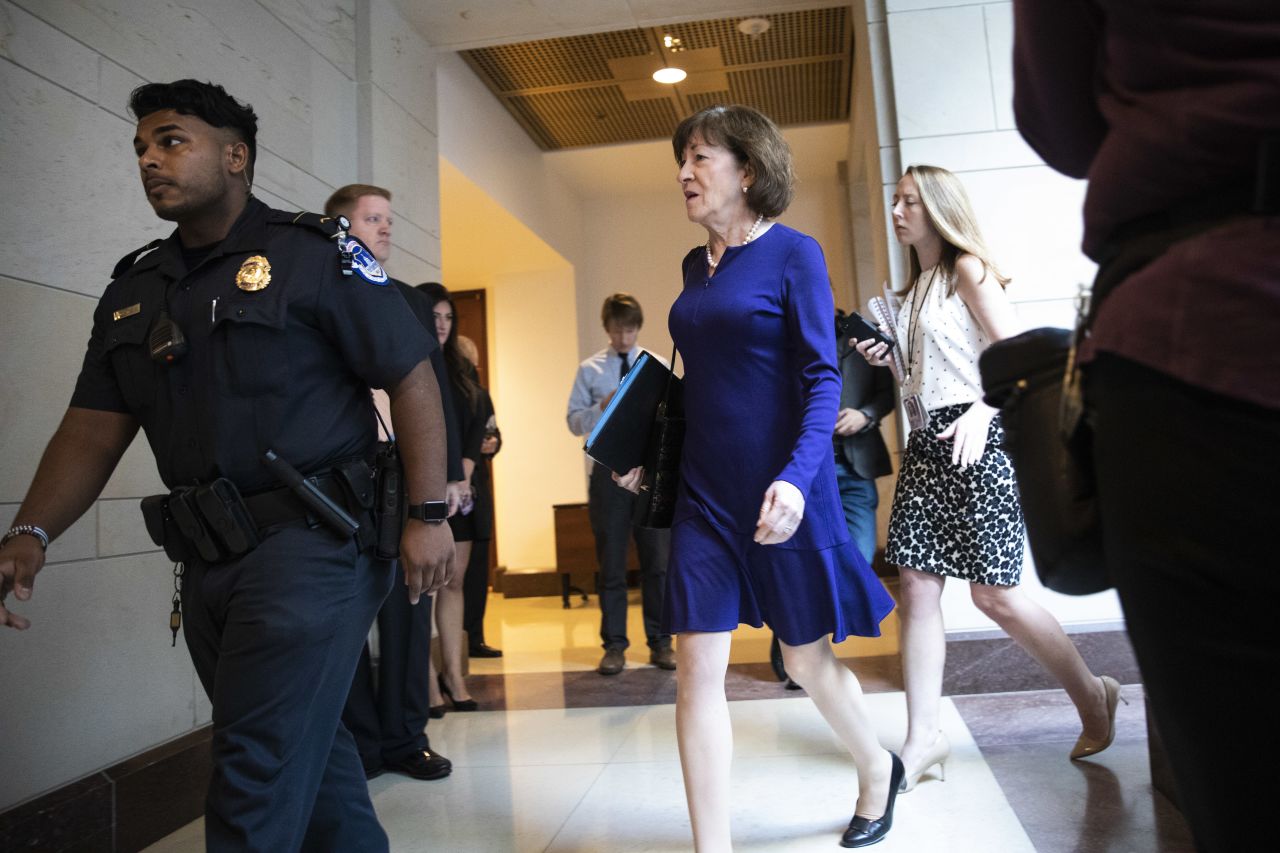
937	754
1085	745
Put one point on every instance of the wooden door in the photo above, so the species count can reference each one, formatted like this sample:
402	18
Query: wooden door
470	317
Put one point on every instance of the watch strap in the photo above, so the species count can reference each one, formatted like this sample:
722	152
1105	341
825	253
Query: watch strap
433	511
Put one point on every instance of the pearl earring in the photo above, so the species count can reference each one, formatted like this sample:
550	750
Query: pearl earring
744	189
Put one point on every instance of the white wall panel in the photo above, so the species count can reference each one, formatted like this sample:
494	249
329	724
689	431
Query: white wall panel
970	152
42	335
43	50
999	27
78	542
402	65
892	6
1031	220
333	135
327	26
941	74
72	167
94	679
404	160
120	529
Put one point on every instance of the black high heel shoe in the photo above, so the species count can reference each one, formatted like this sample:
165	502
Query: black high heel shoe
458	704
864	831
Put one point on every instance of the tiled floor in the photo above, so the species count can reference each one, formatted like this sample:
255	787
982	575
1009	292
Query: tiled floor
565	760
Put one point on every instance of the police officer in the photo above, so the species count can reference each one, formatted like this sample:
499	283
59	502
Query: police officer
240	334
389	720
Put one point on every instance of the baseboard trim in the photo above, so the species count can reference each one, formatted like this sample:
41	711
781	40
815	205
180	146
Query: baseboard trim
123	808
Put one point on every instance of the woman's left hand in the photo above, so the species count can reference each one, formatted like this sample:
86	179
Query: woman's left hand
631	480
781	513
969	434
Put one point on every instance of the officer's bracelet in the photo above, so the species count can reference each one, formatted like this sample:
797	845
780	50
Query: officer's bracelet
26	530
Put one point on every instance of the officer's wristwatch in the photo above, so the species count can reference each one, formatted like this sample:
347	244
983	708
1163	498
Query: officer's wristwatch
432	512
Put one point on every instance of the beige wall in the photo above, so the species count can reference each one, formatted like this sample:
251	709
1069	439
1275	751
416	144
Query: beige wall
95	680
541	462
635	243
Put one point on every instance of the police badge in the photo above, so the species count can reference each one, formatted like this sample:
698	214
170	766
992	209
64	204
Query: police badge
254	274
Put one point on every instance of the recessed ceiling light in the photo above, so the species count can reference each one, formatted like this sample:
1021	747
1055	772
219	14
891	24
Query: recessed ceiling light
753	26
669	75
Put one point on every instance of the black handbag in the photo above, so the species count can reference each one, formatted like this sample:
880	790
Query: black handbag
1039	388
1026	377
655	504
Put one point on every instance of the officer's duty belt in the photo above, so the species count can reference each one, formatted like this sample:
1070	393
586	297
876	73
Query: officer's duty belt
216	523
281	505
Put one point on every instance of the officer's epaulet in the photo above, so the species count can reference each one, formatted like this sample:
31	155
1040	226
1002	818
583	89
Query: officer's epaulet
329	226
132	258
355	256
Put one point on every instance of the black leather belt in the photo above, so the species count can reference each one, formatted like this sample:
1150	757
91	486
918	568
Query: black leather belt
281	505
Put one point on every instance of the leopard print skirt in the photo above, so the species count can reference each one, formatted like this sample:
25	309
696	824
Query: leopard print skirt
962	523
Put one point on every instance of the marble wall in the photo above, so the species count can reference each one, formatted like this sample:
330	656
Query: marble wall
344	91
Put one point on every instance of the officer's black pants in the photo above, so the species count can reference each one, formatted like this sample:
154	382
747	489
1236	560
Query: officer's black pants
274	637
475	592
1186	484
389	722
609	508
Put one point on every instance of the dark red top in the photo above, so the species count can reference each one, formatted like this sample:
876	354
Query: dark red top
1157	102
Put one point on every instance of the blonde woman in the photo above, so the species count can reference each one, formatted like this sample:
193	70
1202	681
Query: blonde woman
955	511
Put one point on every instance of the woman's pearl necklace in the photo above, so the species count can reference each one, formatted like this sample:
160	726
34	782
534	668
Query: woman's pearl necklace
751	235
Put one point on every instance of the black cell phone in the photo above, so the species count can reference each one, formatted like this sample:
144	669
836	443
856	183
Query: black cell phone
856	326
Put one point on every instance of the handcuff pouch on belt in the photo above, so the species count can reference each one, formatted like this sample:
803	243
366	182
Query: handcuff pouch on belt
210	521
214	522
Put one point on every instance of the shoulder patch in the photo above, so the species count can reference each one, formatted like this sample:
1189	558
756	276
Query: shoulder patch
132	258
363	263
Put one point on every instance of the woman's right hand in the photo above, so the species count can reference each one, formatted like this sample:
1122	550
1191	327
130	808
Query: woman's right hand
631	480
876	353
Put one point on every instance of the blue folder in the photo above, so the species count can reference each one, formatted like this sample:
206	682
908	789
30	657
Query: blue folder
621	436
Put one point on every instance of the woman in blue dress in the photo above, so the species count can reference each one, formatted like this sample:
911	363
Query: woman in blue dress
759	534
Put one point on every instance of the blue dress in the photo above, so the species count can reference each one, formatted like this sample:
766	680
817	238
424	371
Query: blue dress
761	392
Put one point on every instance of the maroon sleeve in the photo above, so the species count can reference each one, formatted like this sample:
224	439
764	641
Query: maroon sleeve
1056	50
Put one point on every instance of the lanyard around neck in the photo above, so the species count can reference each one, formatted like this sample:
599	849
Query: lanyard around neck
913	318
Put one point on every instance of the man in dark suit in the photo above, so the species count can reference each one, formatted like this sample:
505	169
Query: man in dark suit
866	396
861	456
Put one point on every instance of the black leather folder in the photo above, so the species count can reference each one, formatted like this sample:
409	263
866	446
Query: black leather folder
621	436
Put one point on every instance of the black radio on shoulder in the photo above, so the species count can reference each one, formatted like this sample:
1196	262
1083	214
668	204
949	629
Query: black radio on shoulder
166	342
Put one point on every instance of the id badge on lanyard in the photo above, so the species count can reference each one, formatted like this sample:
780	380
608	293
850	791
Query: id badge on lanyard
917	414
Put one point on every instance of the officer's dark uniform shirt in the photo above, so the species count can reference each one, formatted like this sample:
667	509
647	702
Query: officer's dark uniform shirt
287	367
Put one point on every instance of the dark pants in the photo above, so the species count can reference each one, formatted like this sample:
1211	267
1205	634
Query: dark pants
610	508
1186	481
389	721
860	501
475	592
274	638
